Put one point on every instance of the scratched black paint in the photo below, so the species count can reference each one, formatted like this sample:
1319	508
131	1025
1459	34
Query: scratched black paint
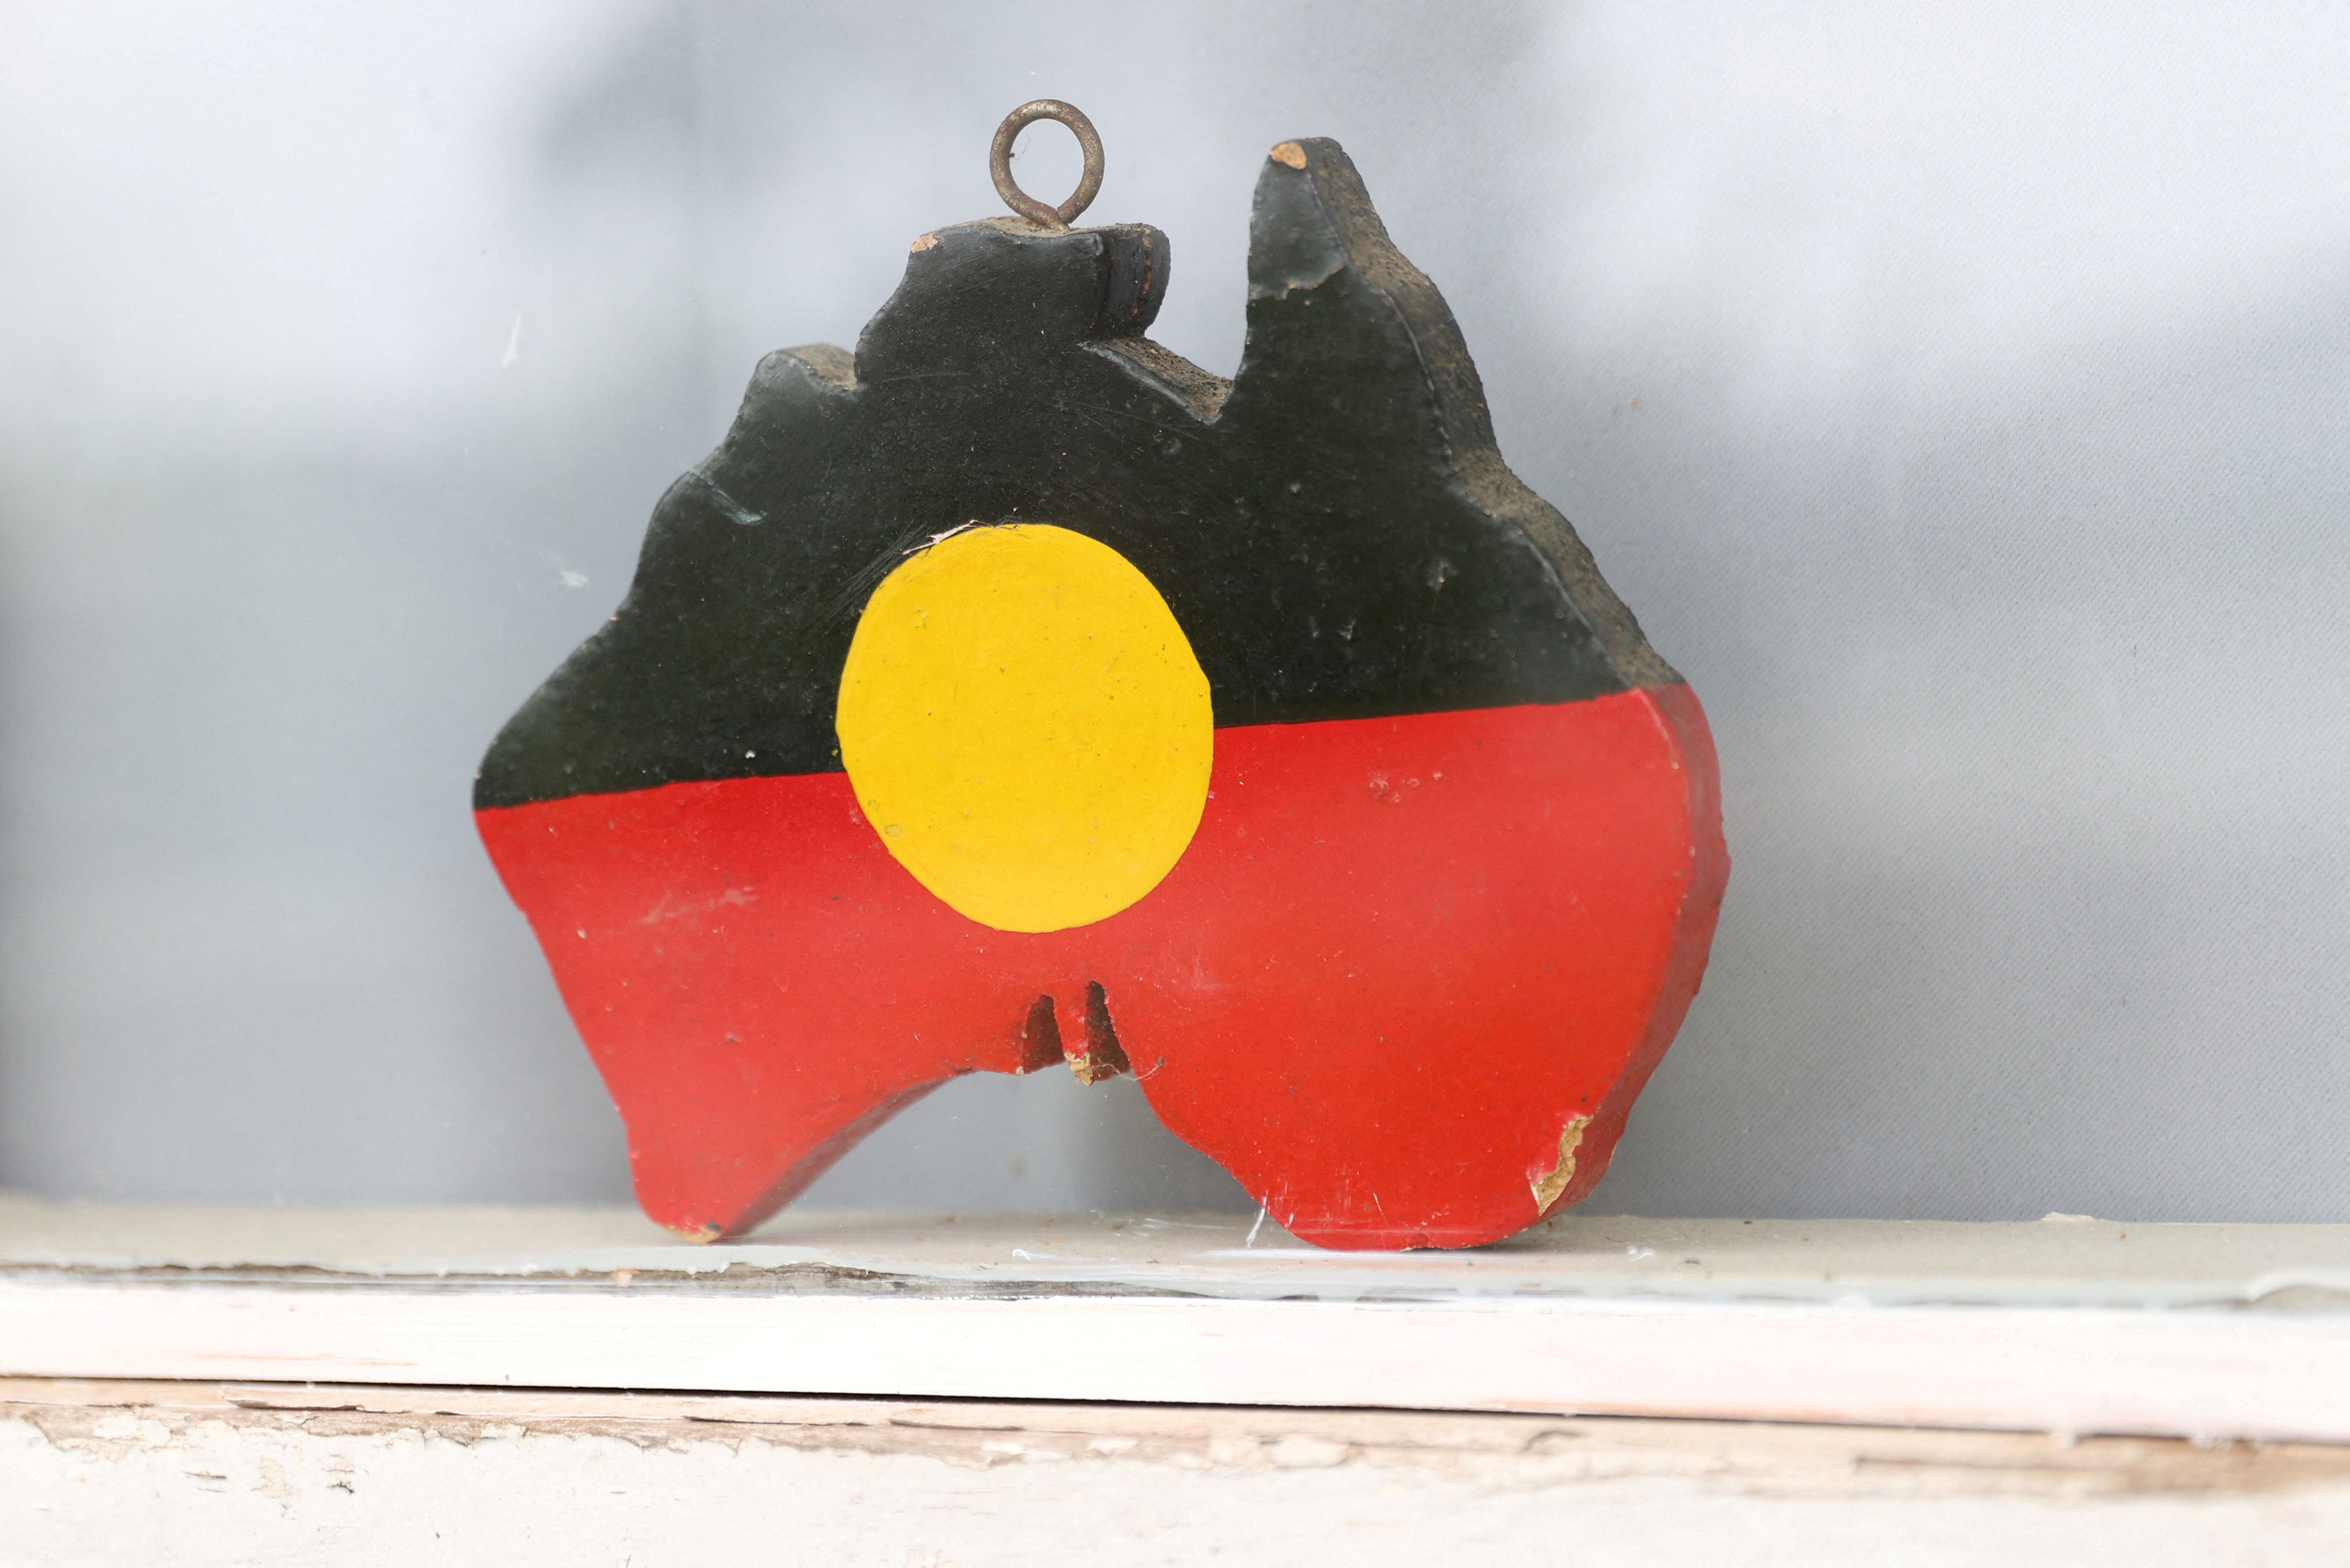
1334	528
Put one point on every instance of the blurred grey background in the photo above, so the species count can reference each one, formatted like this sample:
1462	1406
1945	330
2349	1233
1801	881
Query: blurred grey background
1959	394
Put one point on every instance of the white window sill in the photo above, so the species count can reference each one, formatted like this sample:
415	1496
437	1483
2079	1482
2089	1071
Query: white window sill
2073	1327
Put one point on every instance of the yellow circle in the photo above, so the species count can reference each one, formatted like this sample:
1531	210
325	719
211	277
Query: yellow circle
1025	726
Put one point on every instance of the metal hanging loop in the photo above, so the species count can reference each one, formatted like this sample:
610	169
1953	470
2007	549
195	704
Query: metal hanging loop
999	164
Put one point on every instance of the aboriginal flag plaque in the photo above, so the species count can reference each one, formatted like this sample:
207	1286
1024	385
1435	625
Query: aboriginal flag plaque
1011	692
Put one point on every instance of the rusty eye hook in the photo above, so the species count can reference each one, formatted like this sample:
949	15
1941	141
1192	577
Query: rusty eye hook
999	164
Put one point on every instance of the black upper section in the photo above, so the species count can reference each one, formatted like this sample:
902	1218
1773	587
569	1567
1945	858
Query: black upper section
1334	528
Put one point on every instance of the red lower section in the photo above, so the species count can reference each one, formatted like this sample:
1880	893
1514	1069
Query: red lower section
1401	957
